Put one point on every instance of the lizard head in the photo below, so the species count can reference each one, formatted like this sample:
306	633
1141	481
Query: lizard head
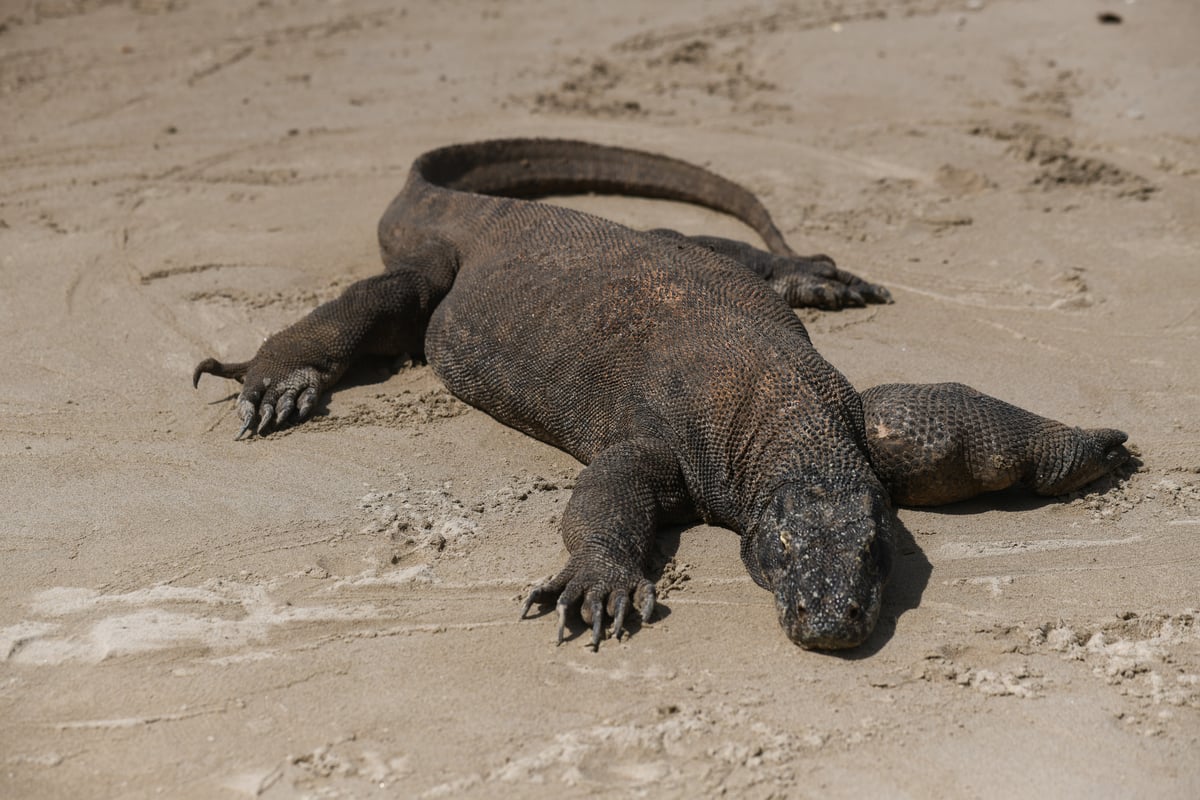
825	553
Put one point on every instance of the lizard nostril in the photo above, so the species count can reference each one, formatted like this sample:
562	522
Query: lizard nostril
853	611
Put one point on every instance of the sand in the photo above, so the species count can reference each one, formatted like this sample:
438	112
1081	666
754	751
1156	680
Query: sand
332	611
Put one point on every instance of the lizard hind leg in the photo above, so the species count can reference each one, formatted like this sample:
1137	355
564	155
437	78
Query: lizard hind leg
939	443
803	281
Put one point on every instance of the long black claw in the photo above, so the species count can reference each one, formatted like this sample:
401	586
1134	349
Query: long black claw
284	408
207	365
249	424
619	617
266	414
597	623
562	622
647	608
529	601
308	398
211	366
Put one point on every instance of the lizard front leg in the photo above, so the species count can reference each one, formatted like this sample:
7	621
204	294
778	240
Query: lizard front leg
620	501
939	443
383	315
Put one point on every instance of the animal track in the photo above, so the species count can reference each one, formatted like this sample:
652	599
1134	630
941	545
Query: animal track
436	519
1058	165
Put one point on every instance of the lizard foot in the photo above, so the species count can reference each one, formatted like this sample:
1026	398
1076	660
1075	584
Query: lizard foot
271	392
816	282
598	589
1075	457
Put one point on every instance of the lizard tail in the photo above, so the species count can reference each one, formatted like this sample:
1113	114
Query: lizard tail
530	168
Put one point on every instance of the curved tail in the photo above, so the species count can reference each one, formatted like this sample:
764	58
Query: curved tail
530	168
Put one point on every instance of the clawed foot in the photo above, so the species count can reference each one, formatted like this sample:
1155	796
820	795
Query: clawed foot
804	281
597	591
271	393
1076	457
816	282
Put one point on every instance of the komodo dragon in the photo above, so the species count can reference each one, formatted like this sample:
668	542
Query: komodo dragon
672	369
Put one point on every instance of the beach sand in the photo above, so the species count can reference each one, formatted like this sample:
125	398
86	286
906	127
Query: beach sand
331	611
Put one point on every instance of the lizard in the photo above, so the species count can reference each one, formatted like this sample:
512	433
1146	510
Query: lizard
674	368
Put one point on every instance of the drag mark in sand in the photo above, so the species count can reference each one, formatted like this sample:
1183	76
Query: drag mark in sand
217	615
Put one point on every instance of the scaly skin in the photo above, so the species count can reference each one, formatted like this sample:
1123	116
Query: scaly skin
673	367
938	443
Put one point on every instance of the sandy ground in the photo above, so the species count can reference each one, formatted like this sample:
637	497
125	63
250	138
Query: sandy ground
332	611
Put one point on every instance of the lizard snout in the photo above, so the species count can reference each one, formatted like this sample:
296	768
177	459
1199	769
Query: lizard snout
834	621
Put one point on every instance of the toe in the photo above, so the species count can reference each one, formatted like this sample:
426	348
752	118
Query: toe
597	625
644	598
285	406
266	413
247	412
304	405
619	610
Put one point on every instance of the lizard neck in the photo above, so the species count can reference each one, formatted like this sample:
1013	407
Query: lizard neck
802	426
